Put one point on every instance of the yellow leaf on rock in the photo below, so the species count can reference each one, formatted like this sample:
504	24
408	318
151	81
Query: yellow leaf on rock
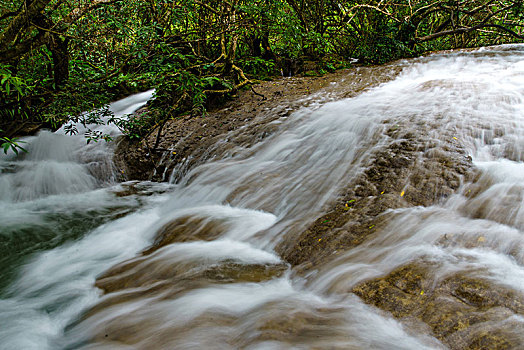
402	194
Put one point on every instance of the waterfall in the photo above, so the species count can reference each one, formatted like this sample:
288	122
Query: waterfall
198	264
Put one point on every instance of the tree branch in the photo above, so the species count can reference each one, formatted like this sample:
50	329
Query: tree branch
21	20
20	49
466	30
77	13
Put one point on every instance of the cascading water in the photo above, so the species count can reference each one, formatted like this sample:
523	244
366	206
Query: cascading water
58	164
197	266
50	197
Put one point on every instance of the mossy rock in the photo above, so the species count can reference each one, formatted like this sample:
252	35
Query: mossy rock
459	309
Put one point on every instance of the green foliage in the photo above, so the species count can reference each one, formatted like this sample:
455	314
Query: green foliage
287	33
258	67
136	125
12	90
10	85
75	56
383	42
11	144
316	46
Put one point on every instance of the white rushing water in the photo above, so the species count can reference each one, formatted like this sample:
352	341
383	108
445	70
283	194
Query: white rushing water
59	164
221	284
51	197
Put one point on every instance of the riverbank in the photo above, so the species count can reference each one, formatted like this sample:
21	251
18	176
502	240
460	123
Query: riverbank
244	120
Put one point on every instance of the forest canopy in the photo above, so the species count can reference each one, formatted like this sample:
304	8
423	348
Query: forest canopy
59	58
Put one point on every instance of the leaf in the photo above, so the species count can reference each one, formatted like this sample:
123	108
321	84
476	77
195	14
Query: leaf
13	147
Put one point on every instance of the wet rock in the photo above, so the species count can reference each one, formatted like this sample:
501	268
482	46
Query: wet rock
232	272
143	272
185	229
384	296
288	324
409	171
483	339
460	310
158	264
299	327
153	279
481	294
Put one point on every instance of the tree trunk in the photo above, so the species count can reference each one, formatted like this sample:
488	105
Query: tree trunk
60	54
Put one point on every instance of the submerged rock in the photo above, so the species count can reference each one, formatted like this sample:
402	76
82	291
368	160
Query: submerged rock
185	229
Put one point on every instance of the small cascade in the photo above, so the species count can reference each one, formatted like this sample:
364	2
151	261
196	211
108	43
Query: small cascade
59	164
55	193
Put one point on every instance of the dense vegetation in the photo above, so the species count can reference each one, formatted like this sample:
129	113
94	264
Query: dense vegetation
61	57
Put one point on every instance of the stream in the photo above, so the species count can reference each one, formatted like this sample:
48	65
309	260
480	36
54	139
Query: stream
90	263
